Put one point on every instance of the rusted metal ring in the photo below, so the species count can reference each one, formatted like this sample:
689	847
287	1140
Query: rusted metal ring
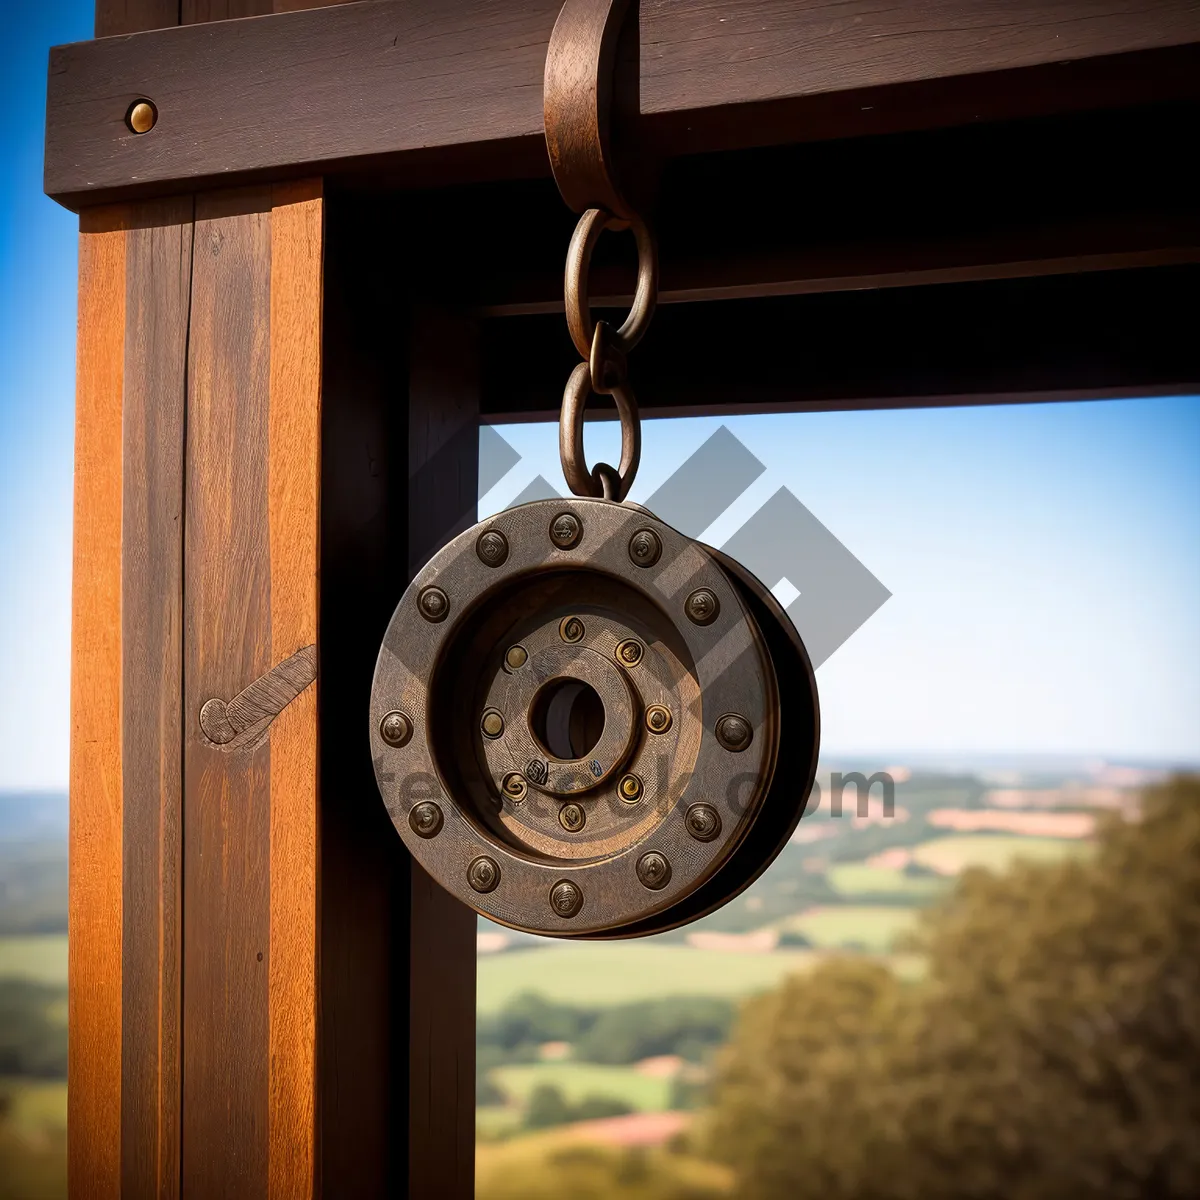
581	480
579	260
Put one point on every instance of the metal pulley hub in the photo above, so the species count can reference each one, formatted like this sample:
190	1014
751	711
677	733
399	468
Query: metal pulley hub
576	721
584	723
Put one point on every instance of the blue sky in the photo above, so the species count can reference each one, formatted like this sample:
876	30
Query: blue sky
37	363
1044	560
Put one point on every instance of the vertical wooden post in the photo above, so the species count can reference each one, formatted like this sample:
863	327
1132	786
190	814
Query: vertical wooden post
94	1066
397	998
157	282
250	805
267	998
443	464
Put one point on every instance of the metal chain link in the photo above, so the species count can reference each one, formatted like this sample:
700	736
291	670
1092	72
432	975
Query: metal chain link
605	370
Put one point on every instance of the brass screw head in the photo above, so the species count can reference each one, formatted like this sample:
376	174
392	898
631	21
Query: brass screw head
734	732
142	116
395	729
645	548
572	817
515	658
536	770
565	530
703	822
702	607
629	652
515	787
483	874
565	898
630	788
653	870
658	718
492	723
491	547
571	630
433	603
425	819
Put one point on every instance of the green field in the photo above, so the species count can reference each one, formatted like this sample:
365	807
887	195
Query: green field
858	879
35	1105
872	927
496	1121
603	973
995	851
40	957
577	1081
33	1140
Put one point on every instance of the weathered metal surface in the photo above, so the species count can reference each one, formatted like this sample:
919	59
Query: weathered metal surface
565	773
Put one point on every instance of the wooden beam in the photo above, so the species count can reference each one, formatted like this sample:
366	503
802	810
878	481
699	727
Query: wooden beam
250	608
96	862
157	293
397	985
441	89
1120	332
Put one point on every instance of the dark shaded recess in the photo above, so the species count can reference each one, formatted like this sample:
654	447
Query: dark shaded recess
364	946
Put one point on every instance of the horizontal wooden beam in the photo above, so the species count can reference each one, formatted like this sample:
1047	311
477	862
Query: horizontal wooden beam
440	90
1122	332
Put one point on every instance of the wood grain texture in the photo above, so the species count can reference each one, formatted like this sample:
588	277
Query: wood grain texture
443	463
293	487
157	289
134	16
1121	332
448	77
94	954
227	644
196	12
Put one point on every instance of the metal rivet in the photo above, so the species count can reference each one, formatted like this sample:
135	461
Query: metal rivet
571	630
492	723
483	874
425	819
630	789
565	530
658	718
536	770
734	732
142	116
395	729
572	817
565	898
645	548
629	652
516	658
703	822
654	871
433	604
702	607
515	787
492	548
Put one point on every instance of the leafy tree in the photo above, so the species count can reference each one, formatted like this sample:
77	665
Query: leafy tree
689	1026
592	1108
1053	1050
32	1041
547	1107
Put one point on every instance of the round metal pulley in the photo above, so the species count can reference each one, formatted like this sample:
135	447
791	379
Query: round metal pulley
585	724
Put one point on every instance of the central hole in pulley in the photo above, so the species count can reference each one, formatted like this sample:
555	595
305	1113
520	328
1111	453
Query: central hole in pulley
567	718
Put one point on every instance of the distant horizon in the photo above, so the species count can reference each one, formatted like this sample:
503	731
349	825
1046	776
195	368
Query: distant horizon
882	759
